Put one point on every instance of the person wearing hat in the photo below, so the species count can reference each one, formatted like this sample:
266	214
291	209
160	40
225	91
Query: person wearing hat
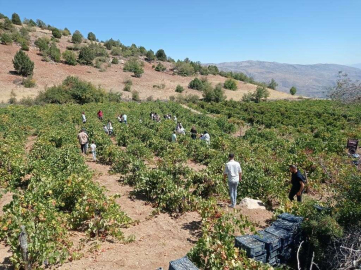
83	140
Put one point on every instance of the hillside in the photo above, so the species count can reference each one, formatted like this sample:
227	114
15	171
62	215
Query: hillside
47	74
310	80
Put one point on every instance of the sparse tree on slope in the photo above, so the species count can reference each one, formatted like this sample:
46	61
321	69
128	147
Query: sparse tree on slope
161	55
22	64
273	84
293	90
16	19
91	36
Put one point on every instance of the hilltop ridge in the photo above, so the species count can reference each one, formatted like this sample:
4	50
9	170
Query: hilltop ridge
158	85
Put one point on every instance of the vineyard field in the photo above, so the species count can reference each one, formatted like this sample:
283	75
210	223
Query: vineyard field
56	191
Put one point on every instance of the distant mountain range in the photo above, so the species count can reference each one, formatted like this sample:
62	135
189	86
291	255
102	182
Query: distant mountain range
310	80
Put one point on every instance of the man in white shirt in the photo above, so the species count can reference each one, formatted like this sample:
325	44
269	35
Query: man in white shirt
234	172
83	118
124	118
205	137
93	149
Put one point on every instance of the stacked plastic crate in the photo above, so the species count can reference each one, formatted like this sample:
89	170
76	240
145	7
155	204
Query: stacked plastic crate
182	264
275	244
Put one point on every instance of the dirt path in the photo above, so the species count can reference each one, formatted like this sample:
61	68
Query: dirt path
158	239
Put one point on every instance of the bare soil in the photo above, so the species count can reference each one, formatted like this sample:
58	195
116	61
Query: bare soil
158	239
47	74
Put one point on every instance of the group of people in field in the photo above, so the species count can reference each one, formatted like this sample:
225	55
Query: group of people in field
83	137
232	169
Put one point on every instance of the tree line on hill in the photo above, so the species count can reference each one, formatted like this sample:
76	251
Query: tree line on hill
97	54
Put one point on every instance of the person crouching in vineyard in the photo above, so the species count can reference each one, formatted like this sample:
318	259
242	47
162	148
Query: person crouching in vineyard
298	183
234	172
83	140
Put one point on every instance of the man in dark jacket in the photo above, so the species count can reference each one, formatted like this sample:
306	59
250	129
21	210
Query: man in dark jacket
298	183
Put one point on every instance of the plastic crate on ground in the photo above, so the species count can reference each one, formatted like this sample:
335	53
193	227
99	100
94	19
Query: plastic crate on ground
284	235
261	258
273	254
271	241
252	246
290	218
274	261
182	264
286	225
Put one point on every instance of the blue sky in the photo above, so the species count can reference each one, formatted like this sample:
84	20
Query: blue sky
287	31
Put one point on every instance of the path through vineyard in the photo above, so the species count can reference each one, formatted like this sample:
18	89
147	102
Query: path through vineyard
158	239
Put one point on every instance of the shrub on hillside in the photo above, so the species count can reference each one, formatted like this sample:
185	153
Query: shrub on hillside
184	69
150	56
72	90
142	50
91	36
2	16
179	89
54	53
213	70
16	19
214	94
77	37
70	58
160	67
42	44
133	65
196	84
56	33
293	90
29	82
109	44
114	96
128	83
22	64
66	32
86	55
31	23
41	24
160	54
6	39
115	61
8	25
116	51
257	96
24	44
135	96
230	84
273	85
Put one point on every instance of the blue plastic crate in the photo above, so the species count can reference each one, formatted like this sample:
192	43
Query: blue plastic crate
290	218
274	261
261	258
271	241
284	235
182	264
286	254
286	225
273	254
252	246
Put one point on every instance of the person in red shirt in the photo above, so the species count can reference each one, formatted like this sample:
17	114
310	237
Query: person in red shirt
100	115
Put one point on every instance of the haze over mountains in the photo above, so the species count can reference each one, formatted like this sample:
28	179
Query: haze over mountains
310	80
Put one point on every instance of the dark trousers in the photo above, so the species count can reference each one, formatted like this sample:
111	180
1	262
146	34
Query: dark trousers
83	148
292	194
